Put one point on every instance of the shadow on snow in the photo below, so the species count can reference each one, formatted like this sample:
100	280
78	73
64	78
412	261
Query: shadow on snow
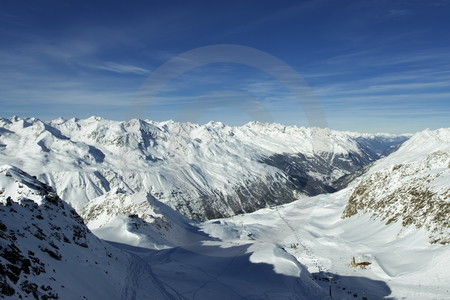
213	272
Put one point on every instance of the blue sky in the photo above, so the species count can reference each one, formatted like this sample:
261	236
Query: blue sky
373	66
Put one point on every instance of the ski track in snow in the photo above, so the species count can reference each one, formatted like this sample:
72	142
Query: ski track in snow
300	242
139	272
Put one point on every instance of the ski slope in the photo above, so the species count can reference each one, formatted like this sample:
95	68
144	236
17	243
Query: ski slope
404	264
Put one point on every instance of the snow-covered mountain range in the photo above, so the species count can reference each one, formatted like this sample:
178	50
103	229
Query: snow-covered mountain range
203	171
131	182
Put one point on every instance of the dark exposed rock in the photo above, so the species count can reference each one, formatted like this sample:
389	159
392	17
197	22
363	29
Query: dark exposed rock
53	254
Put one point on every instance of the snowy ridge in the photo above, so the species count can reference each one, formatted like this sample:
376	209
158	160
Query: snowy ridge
411	186
25	185
139	220
203	171
417	148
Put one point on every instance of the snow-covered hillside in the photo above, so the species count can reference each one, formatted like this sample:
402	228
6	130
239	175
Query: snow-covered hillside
203	171
46	252
412	186
139	220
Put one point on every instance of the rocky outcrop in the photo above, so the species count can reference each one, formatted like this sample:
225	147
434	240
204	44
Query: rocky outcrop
415	194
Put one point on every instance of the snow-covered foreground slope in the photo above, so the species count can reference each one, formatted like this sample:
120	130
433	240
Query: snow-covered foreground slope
411	185
46	252
203	171
308	232
404	265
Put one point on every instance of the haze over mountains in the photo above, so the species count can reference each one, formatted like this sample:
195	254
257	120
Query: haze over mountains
284	230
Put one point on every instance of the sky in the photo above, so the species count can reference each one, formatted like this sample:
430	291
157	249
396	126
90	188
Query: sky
368	66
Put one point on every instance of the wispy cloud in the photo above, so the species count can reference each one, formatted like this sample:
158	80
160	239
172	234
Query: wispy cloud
398	12
121	68
376	58
379	89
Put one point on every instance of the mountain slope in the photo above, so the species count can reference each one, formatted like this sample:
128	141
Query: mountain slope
411	186
46	251
203	171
